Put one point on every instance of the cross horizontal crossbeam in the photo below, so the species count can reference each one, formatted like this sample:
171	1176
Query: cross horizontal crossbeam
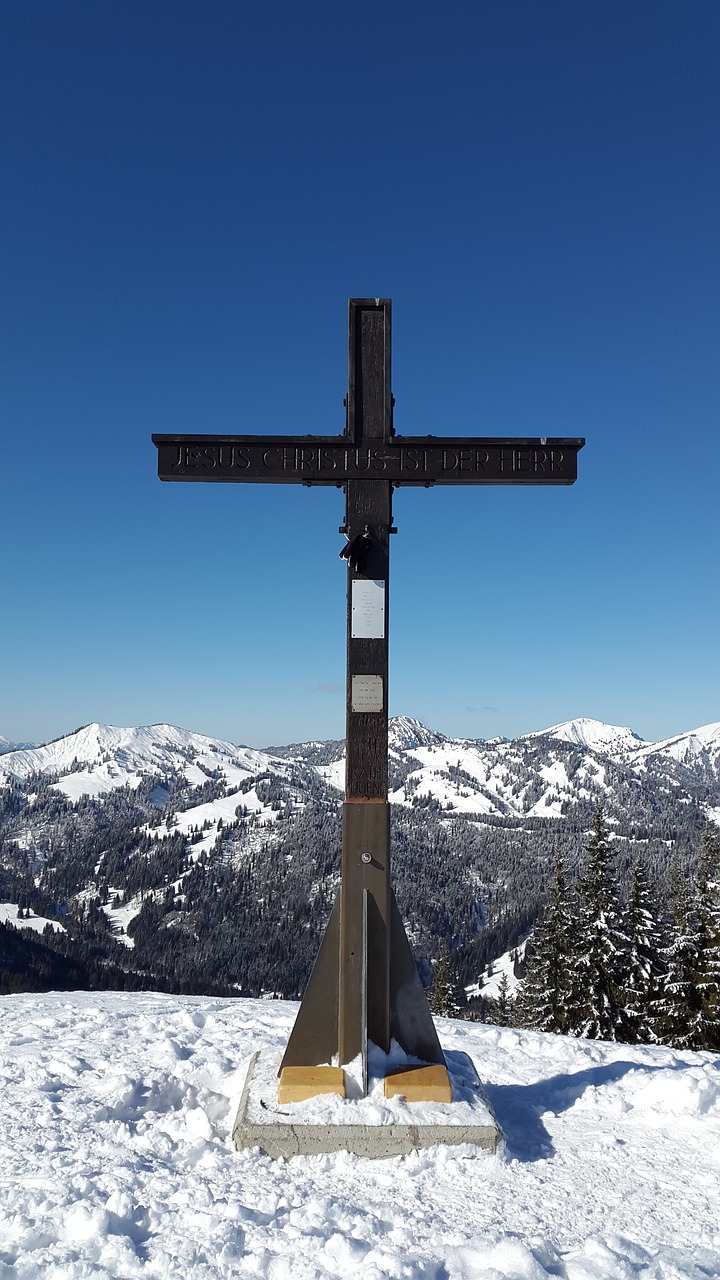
333	460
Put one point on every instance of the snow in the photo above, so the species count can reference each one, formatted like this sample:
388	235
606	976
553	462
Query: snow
120	918
117	757
548	806
221	810
333	774
7	745
503	967
373	1108
463	776
9	915
116	1158
593	734
405	734
687	745
95	782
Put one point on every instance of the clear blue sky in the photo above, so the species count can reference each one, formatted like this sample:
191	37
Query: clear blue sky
192	191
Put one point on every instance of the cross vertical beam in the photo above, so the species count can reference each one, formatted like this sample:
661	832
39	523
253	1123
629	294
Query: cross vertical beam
365	985
364	980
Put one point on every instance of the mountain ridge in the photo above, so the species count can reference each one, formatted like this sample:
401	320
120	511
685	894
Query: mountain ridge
405	734
190	862
528	776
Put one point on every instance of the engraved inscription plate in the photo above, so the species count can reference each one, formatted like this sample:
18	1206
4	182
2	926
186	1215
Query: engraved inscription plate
368	610
415	460
367	693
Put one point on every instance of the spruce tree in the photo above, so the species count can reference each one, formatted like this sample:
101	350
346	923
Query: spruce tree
444	996
501	1009
643	970
679	1016
691	1003
595	1005
542	1001
708	954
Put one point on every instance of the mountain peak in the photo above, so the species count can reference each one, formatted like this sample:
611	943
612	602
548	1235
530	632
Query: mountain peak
593	734
405	733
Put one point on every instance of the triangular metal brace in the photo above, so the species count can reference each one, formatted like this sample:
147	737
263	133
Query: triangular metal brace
315	1036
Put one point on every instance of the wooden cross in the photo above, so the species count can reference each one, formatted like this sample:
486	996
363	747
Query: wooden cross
365	985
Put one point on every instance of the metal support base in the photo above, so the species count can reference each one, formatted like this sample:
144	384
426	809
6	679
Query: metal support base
316	1035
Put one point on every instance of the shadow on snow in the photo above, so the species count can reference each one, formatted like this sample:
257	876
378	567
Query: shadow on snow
519	1108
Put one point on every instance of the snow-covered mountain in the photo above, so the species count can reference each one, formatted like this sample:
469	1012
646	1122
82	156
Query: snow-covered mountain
593	734
102	757
695	748
217	864
538	775
687	748
406	734
98	759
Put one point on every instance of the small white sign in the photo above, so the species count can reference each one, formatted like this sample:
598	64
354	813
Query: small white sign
368	610
367	693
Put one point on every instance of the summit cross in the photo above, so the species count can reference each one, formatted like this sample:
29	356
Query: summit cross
365	985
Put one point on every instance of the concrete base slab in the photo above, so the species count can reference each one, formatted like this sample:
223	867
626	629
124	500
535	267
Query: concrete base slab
375	1125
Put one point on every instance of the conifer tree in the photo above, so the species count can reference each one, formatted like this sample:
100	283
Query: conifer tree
444	996
542	1002
691	1003
679	1004
642	967
595	1004
501	1009
708	954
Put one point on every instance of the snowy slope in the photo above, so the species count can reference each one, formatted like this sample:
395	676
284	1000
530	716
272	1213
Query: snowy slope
596	736
406	734
102	757
9	915
490	979
624	745
686	747
513	779
116	1160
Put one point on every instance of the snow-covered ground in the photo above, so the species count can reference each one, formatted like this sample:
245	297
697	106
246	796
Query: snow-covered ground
9	915
116	1158
503	967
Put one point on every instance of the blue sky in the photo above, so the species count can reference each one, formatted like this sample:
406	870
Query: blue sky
192	191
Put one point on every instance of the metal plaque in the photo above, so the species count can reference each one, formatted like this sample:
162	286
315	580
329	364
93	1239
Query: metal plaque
367	693
368	610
